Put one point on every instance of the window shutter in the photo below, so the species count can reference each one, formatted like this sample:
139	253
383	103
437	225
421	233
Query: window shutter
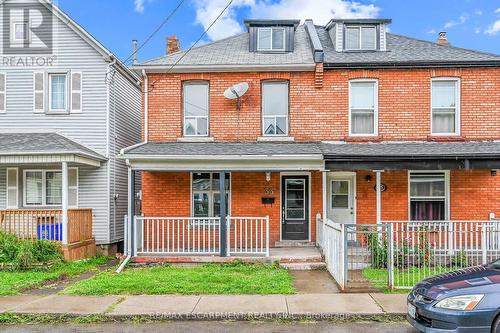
73	187
76	92
289	38
3	88
39	92
253	39
12	188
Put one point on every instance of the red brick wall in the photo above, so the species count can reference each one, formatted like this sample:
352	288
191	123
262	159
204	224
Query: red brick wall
167	194
322	114
473	195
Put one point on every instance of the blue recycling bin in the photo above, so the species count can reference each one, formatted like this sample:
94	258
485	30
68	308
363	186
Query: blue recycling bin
50	231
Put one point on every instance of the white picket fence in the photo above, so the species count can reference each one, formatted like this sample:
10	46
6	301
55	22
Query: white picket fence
200	235
398	254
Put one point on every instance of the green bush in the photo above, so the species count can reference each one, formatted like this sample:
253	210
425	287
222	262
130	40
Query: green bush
20	254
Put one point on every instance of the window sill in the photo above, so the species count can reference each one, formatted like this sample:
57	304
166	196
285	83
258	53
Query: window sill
364	138
445	138
196	139
275	139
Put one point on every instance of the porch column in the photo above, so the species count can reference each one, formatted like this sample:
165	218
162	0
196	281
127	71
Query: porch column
378	176
64	202
223	223
130	242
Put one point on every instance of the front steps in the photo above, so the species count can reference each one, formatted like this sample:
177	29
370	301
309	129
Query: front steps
304	256
294	244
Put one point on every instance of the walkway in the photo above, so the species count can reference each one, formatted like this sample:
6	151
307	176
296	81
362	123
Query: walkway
315	306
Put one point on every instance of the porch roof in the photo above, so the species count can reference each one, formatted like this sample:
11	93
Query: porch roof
413	155
20	148
258	156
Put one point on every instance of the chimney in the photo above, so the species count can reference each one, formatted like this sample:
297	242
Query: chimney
442	39
173	45
134	50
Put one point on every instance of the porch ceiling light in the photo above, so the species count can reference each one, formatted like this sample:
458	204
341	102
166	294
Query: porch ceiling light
268	176
368	178
493	173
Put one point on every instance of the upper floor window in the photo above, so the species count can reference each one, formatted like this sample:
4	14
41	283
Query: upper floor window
445	106
271	39
3	95
360	38
275	108
196	108
363	107
20	31
58	92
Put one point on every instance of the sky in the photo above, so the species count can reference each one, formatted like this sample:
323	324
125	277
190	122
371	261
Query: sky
471	24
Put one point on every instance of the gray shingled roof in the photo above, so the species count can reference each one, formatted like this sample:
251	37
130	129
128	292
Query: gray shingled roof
235	51
224	148
416	150
43	143
329	150
402	49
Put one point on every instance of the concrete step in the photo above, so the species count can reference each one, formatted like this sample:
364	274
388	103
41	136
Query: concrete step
294	244
305	266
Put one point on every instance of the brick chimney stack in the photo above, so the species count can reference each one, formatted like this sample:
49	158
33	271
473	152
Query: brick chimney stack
442	40
173	45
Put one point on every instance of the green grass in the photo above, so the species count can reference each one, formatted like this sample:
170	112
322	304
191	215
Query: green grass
206	279
14	282
402	277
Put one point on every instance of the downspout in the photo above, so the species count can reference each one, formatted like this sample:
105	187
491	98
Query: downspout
124	262
146	98
108	141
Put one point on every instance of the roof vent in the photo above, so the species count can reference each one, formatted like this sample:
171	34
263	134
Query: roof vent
442	40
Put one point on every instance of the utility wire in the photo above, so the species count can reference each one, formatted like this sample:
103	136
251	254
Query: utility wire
156	30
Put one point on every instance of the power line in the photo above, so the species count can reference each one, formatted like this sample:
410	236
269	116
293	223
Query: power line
201	36
156	30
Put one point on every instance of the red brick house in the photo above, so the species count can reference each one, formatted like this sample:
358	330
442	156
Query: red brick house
345	121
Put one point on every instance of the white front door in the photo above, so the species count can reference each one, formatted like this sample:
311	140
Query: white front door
341	198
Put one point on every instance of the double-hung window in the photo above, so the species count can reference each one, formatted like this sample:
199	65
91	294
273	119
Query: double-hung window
206	194
275	108
360	38
196	108
58	92
271	39
363	107
445	106
428	196
44	187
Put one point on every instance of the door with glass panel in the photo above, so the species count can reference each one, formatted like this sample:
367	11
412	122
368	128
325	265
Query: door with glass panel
295	208
341	200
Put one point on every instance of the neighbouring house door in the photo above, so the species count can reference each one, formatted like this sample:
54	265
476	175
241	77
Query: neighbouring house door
295	207
341	201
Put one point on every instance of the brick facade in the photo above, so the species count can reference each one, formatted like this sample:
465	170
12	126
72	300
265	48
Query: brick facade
322	113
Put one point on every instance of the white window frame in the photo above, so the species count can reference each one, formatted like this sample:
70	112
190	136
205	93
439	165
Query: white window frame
12	187
287	116
27	33
4	92
271	41
375	111
72	91
65	110
42	91
359	28
457	105
447	198
195	82
44	186
210	195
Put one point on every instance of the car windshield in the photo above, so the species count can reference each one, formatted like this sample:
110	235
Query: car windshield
496	264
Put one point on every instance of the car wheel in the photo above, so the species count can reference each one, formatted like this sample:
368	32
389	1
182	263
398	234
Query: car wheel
496	326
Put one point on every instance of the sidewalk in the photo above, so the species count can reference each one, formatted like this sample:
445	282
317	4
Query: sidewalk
318	306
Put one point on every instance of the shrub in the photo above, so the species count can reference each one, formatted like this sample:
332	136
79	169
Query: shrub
21	254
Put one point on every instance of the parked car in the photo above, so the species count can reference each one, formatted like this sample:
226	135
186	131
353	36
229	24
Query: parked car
466	300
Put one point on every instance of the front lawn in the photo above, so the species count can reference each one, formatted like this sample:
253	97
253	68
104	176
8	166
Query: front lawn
235	278
403	277
14	282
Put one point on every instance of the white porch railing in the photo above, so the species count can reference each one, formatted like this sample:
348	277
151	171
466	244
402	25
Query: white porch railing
200	235
331	240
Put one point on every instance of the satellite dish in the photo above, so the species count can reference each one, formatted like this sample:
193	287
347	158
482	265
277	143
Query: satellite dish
236	91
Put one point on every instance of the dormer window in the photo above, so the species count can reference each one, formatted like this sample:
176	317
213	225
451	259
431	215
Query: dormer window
360	38
271	39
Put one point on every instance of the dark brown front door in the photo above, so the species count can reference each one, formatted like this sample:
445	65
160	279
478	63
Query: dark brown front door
295	207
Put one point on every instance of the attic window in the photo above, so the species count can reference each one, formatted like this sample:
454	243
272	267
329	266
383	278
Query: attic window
271	39
360	38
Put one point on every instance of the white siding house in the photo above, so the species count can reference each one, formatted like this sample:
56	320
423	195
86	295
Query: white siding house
80	92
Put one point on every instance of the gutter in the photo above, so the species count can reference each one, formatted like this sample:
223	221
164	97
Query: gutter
449	64
225	68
